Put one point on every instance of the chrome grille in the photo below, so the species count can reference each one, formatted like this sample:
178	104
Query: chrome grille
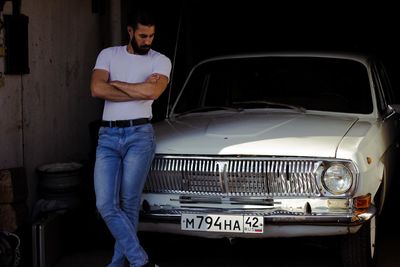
233	176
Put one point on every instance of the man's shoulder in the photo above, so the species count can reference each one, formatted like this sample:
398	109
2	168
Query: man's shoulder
155	55
112	50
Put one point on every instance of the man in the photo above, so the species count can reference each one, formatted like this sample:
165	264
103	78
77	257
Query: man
128	78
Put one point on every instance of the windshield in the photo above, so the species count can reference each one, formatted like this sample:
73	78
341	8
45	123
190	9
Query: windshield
297	83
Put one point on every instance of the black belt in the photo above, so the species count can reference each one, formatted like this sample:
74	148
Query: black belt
125	123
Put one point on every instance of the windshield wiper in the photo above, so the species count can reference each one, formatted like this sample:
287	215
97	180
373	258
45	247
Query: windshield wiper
208	108
269	103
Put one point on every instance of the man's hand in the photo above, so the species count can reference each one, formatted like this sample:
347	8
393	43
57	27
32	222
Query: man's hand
153	78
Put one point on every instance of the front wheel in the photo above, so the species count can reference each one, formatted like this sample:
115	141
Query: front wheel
358	250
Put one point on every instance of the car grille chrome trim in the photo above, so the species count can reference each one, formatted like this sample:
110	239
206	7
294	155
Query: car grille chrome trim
222	176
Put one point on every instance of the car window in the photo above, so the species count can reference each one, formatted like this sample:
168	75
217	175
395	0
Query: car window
380	98
386	84
324	84
383	90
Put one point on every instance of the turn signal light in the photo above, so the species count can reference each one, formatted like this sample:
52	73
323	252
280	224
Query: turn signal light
362	202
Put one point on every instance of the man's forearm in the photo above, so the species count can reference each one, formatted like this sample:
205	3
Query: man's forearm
137	91
109	92
150	89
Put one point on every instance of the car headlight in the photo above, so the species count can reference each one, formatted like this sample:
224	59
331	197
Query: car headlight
337	179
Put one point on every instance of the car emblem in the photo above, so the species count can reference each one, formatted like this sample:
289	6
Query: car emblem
222	173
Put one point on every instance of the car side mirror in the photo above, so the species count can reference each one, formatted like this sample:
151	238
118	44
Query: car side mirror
394	108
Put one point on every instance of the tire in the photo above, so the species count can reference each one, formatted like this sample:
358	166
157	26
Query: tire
358	249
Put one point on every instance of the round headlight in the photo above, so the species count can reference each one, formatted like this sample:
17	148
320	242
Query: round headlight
337	179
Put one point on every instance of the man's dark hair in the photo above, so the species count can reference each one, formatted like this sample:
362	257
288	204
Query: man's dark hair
141	16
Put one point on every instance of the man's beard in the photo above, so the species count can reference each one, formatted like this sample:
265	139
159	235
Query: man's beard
140	50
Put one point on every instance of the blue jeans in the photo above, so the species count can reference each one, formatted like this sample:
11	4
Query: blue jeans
123	159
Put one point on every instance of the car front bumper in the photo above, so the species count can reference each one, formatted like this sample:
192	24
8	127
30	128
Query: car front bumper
279	221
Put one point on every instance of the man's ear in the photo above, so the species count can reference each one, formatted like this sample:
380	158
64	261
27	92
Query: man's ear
130	31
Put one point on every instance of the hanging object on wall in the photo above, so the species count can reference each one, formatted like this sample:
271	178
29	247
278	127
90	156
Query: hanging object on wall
16	43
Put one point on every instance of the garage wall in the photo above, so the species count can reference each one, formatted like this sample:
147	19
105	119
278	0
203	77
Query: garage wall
45	115
10	122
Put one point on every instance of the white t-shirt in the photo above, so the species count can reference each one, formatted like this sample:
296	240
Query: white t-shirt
131	68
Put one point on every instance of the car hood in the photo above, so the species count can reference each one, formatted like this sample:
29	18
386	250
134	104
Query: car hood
263	134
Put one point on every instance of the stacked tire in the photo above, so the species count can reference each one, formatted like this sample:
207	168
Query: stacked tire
61	182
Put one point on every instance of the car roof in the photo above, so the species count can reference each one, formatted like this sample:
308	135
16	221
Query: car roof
362	58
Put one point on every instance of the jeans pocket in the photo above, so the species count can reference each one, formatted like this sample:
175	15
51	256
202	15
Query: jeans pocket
102	130
145	128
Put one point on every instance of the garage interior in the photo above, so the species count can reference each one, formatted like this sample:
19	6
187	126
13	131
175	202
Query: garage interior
47	116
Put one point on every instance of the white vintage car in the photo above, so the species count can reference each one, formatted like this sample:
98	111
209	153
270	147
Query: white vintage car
277	145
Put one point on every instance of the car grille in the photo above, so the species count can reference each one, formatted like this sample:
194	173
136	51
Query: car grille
233	176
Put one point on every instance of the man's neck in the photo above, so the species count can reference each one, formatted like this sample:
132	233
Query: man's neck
129	48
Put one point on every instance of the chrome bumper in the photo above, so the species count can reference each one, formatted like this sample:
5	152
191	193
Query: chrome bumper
276	224
270	216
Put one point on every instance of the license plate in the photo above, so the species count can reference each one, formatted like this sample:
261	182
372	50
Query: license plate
222	223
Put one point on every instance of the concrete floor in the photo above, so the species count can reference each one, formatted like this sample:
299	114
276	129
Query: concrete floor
95	250
92	258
